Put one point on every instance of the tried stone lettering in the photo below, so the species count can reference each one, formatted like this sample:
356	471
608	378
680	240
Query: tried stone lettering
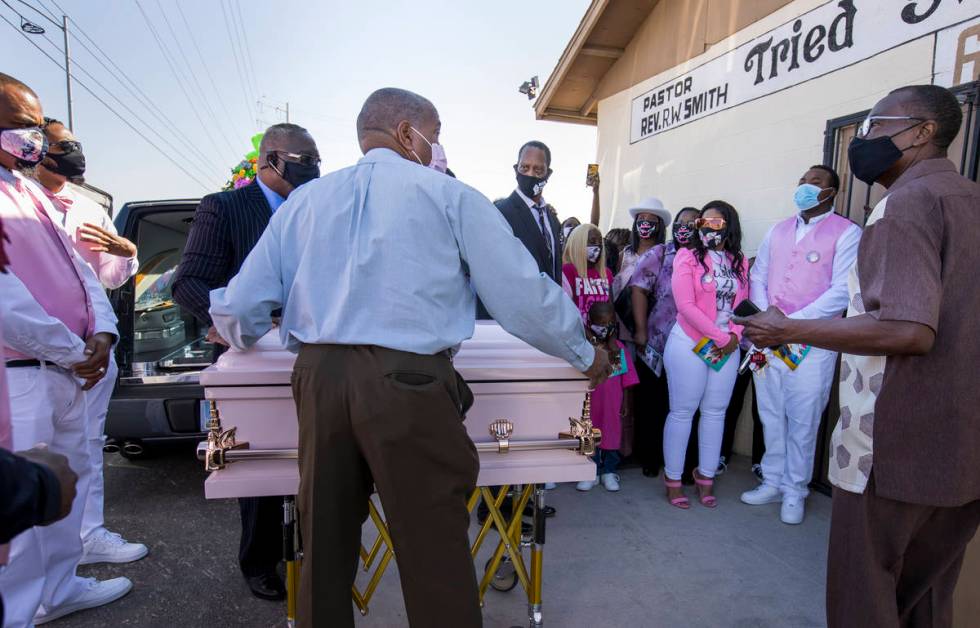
839	35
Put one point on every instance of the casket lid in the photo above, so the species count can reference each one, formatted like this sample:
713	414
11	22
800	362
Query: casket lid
491	355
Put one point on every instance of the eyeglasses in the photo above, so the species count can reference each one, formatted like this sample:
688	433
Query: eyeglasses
710	223
305	160
871	121
68	146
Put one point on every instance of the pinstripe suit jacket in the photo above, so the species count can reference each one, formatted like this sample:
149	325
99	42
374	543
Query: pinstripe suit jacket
226	226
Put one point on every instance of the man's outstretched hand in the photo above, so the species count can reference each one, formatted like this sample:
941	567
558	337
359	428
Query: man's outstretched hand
58	465
600	370
766	329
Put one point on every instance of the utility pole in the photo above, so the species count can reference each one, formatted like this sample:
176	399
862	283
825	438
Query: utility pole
287	112
64	28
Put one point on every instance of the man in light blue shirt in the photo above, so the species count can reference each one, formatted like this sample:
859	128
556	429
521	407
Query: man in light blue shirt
375	268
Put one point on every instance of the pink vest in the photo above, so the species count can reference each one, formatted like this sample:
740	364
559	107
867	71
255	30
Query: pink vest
41	257
799	272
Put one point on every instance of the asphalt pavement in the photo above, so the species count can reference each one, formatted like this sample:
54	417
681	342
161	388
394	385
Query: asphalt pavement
611	559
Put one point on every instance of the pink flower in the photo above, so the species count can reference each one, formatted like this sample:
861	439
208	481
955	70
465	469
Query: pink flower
240	183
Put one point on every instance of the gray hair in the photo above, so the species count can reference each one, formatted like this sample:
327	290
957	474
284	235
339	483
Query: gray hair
282	132
386	107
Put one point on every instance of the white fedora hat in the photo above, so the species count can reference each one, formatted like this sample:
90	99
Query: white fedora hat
651	205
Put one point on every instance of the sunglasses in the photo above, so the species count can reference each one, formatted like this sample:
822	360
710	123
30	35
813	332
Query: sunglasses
710	223
67	146
872	121
305	160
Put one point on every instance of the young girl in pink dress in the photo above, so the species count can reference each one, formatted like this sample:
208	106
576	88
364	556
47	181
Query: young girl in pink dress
609	400
585	277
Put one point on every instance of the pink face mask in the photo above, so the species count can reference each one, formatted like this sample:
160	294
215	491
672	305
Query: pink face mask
439	161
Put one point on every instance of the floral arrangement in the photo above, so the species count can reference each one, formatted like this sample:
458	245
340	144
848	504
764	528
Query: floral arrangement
244	172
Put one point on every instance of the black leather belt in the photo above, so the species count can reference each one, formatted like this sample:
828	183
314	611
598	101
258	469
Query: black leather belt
13	364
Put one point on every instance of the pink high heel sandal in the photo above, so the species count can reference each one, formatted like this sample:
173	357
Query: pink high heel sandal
708	501
677	502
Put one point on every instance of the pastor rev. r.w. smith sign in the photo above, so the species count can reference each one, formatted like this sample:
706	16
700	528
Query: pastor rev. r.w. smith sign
832	36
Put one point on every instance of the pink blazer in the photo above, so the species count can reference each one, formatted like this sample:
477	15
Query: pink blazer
695	298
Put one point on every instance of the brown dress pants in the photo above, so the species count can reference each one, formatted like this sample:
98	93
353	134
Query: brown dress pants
394	420
894	563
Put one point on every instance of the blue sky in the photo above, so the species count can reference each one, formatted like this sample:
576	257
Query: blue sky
324	58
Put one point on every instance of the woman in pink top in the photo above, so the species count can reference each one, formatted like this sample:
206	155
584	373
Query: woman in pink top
585	277
708	281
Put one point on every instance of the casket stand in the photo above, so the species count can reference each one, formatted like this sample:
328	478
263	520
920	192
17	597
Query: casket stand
528	421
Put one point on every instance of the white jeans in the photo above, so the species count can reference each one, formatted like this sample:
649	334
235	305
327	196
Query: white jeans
791	404
693	384
96	407
47	405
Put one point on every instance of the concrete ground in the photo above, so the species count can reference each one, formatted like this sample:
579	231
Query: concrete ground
623	559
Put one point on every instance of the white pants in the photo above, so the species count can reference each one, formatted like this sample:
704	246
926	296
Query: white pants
47	405
791	404
97	406
692	384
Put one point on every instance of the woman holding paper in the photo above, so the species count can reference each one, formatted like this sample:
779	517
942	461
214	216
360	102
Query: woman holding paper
701	355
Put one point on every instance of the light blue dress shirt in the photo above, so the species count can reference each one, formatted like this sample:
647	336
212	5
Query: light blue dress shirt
389	253
273	197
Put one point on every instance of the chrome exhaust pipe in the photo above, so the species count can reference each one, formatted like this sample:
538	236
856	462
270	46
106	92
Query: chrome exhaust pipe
111	446
132	448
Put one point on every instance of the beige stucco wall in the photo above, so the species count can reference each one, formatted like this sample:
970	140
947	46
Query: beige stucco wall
750	155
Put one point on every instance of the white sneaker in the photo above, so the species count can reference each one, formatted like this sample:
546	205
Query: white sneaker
103	546
550	486
94	593
587	485
762	494
610	481
793	510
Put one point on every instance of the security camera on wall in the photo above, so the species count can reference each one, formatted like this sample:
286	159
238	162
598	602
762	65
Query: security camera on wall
529	88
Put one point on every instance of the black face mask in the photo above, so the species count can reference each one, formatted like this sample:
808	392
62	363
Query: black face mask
530	186
295	174
69	165
869	159
683	234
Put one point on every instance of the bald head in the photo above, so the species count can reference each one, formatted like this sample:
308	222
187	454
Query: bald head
400	120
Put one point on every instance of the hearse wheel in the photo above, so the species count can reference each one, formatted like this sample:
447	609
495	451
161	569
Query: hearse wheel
506	577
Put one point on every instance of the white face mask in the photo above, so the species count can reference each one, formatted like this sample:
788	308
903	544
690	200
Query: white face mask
593	252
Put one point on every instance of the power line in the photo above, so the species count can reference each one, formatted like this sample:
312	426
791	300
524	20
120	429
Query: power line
239	64
107	106
173	70
163	138
36	10
247	48
137	93
193	75
250	96
204	64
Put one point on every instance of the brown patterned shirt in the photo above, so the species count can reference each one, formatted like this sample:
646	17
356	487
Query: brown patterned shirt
916	419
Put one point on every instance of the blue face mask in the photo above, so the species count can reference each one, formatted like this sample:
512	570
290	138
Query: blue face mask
807	196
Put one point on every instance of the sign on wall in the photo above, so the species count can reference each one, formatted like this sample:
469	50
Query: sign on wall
828	38
957	58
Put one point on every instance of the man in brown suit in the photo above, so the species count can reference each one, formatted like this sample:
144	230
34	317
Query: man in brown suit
909	395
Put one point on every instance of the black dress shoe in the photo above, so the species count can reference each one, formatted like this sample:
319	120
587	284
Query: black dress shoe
650	472
267	586
549	511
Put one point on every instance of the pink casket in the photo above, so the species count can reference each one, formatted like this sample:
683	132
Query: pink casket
509	379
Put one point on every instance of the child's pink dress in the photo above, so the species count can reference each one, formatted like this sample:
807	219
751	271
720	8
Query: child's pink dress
607	403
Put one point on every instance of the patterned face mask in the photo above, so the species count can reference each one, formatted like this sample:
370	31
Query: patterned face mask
593	252
28	145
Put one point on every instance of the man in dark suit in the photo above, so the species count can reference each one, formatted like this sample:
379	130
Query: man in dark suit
226	226
533	220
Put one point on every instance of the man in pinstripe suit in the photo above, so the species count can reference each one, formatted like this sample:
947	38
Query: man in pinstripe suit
226	226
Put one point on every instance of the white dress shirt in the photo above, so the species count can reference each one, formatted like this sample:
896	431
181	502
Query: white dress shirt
537	220
833	302
26	327
112	270
388	253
